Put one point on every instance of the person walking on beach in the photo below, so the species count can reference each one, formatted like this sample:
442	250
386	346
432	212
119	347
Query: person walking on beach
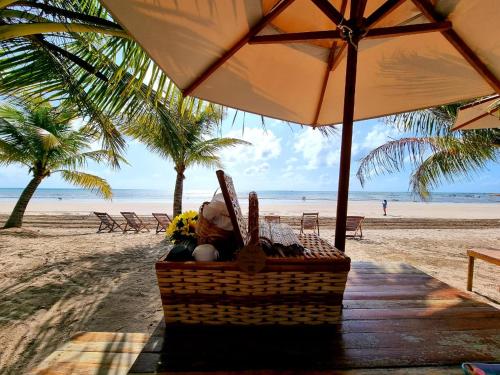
384	206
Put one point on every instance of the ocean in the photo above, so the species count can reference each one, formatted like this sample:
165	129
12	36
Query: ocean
143	195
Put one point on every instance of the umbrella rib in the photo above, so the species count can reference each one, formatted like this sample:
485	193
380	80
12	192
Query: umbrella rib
330	11
456	41
382	32
481	101
386	32
381	12
339	56
332	61
238	45
296	37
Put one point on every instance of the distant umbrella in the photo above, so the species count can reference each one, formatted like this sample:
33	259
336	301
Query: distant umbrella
483	114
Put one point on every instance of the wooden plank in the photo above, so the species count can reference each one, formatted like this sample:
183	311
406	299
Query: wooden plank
421	356
470	273
110	337
488	255
430	287
488	340
81	368
471	312
415	325
104	347
383	294
394	282
400	266
441	370
119	363
94	353
397	304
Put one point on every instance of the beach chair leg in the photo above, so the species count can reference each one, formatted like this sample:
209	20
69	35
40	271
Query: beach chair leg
360	233
157	228
100	228
470	273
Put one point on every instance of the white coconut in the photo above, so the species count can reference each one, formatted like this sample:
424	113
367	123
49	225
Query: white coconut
205	253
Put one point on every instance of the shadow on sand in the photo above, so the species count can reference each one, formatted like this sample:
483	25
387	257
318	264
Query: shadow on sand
91	292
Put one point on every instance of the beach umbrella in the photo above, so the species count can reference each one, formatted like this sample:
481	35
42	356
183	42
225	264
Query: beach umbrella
482	114
309	61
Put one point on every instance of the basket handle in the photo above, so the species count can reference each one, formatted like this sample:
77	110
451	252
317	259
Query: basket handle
253	219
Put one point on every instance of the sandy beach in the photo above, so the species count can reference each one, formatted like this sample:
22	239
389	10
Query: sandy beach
369	209
57	281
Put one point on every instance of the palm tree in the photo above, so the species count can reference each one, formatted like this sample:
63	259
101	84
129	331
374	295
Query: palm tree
74	51
194	121
435	153
41	138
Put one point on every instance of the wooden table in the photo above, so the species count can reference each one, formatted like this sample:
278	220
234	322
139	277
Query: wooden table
488	255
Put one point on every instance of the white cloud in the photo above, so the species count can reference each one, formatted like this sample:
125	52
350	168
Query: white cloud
257	169
378	136
265	146
325	179
318	150
311	143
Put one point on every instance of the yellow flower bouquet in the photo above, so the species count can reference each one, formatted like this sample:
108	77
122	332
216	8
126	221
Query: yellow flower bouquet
183	228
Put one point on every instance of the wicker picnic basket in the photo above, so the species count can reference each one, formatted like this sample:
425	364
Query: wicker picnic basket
208	233
302	289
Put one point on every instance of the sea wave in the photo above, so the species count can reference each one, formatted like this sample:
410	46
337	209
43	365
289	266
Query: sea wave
269	195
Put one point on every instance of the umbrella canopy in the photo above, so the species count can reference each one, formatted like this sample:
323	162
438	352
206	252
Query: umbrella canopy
309	61
483	114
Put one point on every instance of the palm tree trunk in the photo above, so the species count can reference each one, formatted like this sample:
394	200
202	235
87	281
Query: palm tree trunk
16	217
179	185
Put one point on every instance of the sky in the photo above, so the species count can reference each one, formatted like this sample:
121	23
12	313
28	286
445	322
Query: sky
282	157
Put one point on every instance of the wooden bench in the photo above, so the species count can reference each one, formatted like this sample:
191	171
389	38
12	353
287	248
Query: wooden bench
488	255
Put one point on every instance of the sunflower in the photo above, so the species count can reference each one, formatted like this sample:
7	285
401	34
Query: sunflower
183	227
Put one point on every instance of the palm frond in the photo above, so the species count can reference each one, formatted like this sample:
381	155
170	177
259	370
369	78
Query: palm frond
391	156
88	181
427	122
81	159
460	160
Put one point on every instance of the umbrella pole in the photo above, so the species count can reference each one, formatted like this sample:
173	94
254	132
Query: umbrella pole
345	150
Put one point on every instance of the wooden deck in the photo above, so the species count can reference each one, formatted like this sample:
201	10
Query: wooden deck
90	353
396	320
394	316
